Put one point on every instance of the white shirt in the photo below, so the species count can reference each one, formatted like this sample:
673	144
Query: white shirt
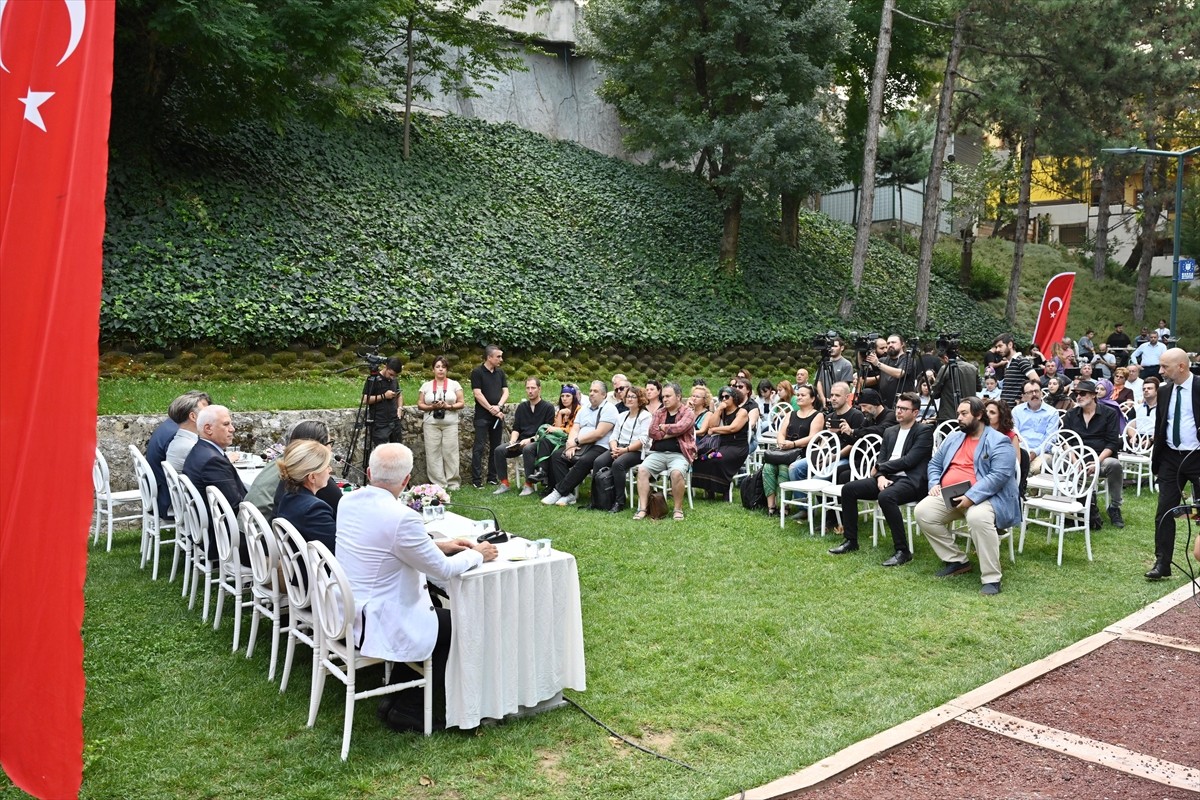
589	419
901	437
1136	388
180	446
447	390
383	547
1187	428
627	430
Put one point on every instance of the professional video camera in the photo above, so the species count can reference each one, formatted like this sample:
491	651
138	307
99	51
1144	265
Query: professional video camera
373	359
865	344
948	344
822	342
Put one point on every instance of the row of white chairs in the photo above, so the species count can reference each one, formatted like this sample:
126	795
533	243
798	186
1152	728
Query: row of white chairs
297	585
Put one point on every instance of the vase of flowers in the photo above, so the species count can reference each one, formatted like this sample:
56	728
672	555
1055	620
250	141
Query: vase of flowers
427	494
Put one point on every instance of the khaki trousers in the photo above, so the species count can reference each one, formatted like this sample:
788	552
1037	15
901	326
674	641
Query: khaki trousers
933	519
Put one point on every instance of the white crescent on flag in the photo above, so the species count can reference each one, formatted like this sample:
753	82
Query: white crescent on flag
77	10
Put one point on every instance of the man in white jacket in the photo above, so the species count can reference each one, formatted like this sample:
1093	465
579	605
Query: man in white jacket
386	553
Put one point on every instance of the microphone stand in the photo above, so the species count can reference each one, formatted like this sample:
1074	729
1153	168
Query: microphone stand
495	536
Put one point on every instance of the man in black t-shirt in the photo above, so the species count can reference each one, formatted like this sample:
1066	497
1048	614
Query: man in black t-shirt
531	414
1119	344
490	387
385	404
1017	370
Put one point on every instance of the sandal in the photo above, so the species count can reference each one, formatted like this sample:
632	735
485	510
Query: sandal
678	516
639	515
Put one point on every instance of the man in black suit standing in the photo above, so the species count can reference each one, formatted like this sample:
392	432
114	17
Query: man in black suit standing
898	478
1175	459
207	465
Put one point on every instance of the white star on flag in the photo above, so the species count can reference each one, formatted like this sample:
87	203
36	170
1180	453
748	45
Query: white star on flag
33	101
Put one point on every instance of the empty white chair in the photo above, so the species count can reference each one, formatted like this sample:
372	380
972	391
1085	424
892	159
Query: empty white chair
268	598
152	524
183	535
333	605
297	574
1069	506
1136	459
195	513
822	455
233	578
106	499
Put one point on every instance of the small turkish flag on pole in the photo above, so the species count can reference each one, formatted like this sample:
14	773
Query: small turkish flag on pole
1052	319
55	82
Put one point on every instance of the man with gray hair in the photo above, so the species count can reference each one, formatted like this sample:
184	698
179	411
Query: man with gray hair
184	411
160	440
587	441
387	555
672	435
207	464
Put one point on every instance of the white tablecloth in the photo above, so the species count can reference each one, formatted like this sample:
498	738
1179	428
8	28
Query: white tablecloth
517	632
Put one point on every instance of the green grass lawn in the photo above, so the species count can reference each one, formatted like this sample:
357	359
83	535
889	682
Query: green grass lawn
722	641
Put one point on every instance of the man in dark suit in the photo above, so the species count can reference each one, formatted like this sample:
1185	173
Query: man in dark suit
156	448
207	465
1175	459
898	478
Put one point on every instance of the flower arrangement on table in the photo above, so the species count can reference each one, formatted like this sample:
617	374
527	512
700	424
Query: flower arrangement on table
427	494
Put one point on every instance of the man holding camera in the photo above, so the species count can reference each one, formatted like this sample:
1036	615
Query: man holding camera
837	369
953	384
386	404
892	368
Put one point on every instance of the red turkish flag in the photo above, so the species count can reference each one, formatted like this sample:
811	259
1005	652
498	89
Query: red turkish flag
55	83
1052	319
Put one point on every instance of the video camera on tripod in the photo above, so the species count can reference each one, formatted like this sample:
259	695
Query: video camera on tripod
865	344
948	344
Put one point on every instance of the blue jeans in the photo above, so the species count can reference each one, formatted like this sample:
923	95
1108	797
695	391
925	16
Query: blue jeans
798	470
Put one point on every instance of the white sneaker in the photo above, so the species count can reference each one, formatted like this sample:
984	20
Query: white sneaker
551	498
501	489
527	490
568	500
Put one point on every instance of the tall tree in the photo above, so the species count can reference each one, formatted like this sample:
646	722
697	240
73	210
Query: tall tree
903	157
709	84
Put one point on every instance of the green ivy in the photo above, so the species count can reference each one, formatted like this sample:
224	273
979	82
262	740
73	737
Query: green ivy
489	232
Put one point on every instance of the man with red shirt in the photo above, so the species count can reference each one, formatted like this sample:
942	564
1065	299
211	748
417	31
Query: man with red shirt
985	459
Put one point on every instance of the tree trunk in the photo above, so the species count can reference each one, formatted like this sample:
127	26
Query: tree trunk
1100	257
789	223
1022	226
930	211
866	203
408	84
1151	208
731	227
900	217
965	265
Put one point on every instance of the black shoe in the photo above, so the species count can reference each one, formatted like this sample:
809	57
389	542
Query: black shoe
990	588
954	568
493	482
901	558
1096	523
843	548
616	509
537	476
1160	570
477	485
1114	514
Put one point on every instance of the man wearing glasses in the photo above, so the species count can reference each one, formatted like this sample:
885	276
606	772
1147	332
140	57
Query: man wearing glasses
1036	423
620	386
899	479
1100	430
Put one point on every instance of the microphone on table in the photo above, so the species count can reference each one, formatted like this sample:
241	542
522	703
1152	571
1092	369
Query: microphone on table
349	466
496	536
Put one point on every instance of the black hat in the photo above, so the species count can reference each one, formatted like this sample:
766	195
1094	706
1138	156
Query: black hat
1086	386
870	397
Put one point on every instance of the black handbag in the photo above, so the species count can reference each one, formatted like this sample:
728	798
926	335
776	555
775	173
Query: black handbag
781	457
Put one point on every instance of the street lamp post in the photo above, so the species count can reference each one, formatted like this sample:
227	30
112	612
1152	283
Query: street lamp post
1181	155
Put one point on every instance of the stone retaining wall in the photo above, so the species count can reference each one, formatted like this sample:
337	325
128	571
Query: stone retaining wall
258	430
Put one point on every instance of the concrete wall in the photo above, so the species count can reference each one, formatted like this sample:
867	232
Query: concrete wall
256	431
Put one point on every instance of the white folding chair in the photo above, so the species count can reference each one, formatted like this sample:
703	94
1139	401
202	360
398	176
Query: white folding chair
822	455
1069	507
333	605
1135	460
268	598
297	575
106	499
195	510
863	457
233	578
1062	444
183	534
943	429
664	484
152	524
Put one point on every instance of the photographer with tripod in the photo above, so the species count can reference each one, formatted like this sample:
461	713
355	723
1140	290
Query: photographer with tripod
832	367
385	404
956	379
892	366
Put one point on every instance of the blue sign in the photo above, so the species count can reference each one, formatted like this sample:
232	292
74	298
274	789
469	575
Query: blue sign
1187	269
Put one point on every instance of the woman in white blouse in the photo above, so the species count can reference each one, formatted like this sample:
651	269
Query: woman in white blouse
626	443
441	399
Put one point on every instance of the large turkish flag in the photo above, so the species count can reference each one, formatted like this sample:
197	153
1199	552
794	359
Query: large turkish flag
1052	318
55	83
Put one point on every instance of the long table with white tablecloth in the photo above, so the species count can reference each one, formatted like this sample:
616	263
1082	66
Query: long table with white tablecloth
517	631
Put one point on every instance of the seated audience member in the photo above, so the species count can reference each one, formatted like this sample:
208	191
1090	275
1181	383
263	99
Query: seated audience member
1068	361
1086	373
1164	333
785	393
1058	395
701	403
1103	362
1000	418
620	385
1143	412
1097	425
876	417
1035	423
672	435
1121	393
553	437
841	418
765	399
532	413
898	478
1175	459
929	406
160	441
262	492
184	412
388	557
753	411
985	459
801	380
586	442
653	396
1133	380
626	444
1049	371
991	389
304	469
1085	347
1104	396
796	430
207	465
714	471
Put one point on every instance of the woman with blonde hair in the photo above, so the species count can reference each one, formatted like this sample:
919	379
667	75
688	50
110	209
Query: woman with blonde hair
305	468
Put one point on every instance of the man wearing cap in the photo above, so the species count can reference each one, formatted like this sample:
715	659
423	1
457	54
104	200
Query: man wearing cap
898	478
1175	459
1098	426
